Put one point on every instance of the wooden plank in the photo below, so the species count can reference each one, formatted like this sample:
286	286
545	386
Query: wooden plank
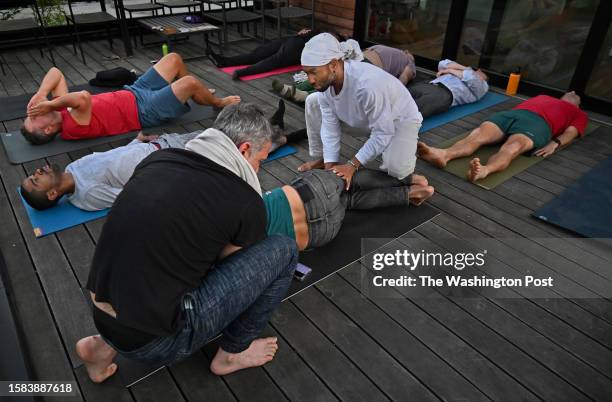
334	368
537	312
573	370
61	287
392	306
243	382
291	374
110	390
564	287
197	382
158	387
394	359
39	335
502	353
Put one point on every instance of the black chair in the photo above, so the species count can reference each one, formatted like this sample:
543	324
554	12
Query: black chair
100	17
284	11
151	6
172	4
19	26
238	14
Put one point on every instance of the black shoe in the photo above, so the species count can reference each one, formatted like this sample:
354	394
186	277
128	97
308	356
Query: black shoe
296	136
277	118
236	75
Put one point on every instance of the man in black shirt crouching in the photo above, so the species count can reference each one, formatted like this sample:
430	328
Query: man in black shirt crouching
183	255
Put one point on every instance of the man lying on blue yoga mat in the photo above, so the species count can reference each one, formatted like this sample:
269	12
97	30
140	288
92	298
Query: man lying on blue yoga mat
95	181
542	123
311	209
158	96
455	85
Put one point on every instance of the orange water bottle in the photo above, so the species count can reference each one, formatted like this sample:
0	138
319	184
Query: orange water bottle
513	82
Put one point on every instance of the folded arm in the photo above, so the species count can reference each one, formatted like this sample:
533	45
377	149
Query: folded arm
53	83
80	102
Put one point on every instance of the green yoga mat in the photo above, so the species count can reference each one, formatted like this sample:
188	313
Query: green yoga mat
459	167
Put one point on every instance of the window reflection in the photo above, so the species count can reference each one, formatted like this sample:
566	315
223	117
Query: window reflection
409	24
544	38
600	85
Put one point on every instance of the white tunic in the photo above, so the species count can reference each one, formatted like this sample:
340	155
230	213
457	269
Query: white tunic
370	99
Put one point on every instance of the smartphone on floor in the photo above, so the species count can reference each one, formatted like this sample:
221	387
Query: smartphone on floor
301	272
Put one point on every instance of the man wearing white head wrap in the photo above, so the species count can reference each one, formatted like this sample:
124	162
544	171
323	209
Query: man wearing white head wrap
357	98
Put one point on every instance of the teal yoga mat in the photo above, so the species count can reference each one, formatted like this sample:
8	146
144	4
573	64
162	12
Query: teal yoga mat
584	207
62	216
65	215
281	152
459	112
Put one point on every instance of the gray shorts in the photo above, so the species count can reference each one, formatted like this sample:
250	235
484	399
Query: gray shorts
321	192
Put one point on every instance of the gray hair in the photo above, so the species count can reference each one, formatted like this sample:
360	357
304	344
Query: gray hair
245	122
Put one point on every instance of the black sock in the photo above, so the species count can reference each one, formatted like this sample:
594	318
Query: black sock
277	118
296	136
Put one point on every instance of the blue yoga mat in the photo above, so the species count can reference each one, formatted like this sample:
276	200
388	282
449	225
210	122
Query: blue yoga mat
458	112
65	215
584	207
62	216
281	152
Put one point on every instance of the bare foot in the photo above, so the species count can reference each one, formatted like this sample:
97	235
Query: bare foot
477	171
98	358
228	100
316	164
419	194
435	156
259	353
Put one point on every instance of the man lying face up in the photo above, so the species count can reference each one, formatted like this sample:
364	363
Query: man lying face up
183	256
158	96
93	182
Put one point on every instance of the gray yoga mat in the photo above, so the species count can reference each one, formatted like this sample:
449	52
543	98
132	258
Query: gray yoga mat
14	107
19	150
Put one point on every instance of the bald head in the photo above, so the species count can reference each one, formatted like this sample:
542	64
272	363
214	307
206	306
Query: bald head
572	98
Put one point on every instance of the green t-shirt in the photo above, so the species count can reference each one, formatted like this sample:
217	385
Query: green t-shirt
280	220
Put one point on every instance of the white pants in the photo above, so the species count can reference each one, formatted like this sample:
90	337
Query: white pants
399	158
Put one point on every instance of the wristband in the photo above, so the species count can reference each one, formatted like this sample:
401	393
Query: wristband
556	141
350	162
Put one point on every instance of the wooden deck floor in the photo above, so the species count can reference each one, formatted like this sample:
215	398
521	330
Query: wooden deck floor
334	342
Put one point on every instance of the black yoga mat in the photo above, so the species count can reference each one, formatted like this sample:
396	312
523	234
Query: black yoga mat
14	107
584	207
387	223
19	150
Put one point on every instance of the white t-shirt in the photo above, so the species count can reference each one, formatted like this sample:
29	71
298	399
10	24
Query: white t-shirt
101	176
370	99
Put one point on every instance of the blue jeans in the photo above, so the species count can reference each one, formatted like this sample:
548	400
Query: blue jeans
236	298
327	201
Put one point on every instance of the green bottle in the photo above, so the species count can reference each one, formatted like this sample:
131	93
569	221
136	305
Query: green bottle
165	49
